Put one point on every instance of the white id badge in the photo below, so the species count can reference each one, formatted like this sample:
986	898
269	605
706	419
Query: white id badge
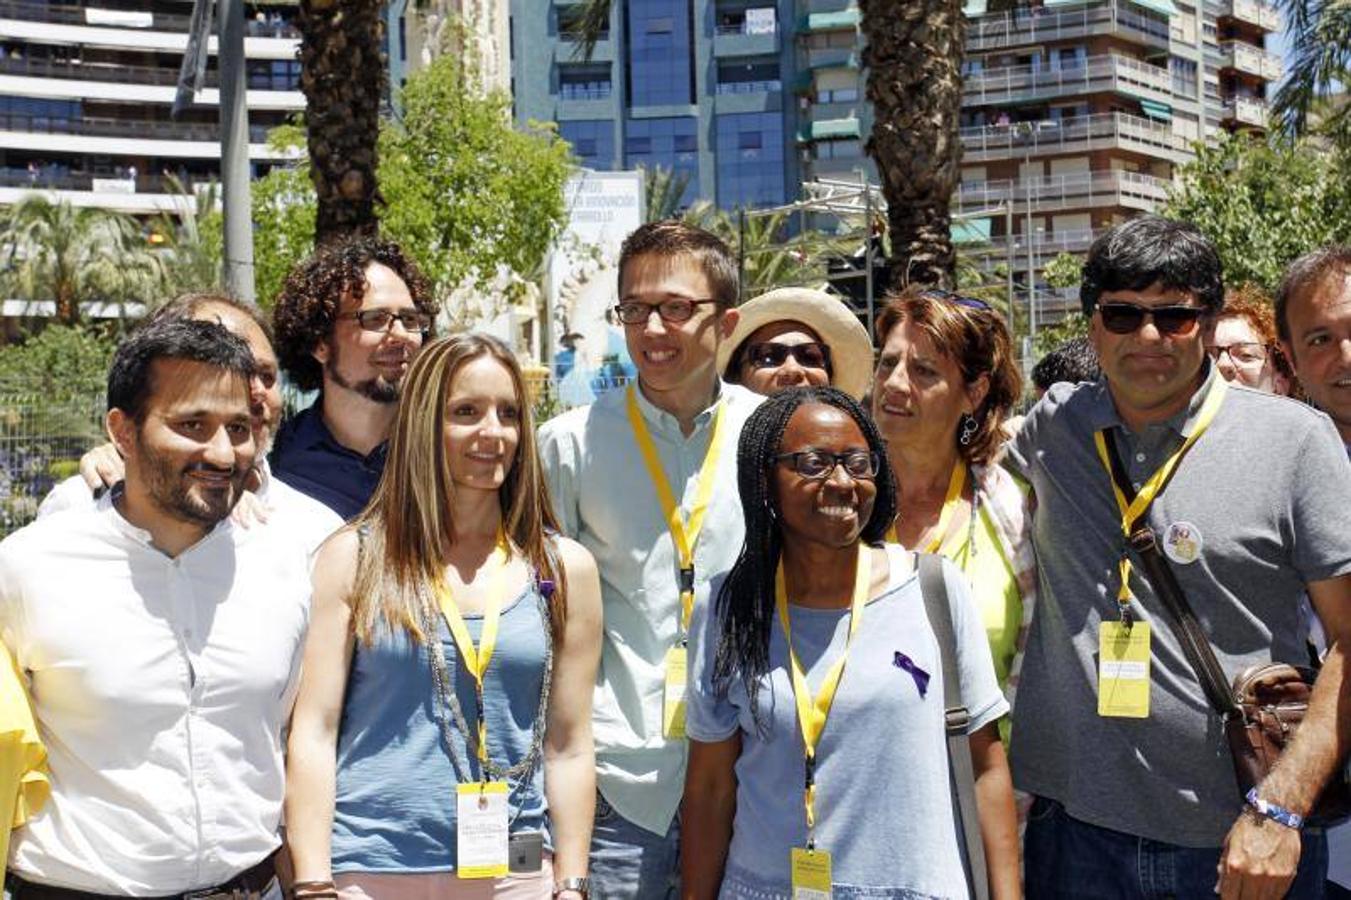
481	829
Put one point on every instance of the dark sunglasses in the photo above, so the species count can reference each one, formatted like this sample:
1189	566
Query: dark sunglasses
1124	318
943	296
769	355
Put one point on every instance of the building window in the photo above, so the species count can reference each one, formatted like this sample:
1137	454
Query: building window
750	160
669	143
592	141
749	76
586	82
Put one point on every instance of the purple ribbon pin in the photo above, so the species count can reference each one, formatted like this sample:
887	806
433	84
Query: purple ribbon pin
901	661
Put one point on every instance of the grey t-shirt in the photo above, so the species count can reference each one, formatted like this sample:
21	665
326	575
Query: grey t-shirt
884	806
1265	498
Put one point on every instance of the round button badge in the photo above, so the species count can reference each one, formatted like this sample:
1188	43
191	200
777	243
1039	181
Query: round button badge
1182	543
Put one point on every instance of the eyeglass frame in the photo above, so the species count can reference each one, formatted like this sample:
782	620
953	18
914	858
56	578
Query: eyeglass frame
358	315
1215	351
650	307
1195	314
837	461
945	296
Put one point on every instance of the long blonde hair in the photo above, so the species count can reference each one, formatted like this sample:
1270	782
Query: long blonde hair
408	528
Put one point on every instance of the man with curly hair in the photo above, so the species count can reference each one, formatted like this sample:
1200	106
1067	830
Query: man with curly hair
348	322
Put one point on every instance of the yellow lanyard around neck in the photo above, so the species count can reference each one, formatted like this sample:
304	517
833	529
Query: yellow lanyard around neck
1132	510
956	484
813	711
684	531
476	659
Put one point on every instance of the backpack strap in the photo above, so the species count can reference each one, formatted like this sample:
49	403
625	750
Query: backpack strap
933	586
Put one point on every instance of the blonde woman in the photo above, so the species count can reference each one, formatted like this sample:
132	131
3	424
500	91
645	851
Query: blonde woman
441	742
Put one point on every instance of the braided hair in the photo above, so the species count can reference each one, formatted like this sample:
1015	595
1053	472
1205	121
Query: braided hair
745	603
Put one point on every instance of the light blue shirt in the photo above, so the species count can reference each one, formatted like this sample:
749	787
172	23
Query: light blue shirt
884	806
605	500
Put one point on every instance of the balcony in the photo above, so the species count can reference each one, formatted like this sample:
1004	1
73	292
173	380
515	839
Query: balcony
126	137
124	74
1253	12
1250	60
1245	111
154	21
1096	74
1041	25
1078	190
1046	245
1082	134
746	39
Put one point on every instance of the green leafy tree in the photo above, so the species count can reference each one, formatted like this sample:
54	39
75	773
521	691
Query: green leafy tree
284	209
56	252
467	192
1264	203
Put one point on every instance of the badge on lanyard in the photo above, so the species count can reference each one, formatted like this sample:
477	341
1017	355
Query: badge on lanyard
1182	543
673	696
1123	670
481	832
811	874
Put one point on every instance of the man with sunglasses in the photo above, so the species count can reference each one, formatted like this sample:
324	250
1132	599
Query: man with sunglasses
1136	793
645	478
348	322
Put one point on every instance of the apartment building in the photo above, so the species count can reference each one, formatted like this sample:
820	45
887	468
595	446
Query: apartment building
86	88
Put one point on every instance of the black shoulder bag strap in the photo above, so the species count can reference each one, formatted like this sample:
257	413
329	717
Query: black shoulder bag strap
935	591
1195	644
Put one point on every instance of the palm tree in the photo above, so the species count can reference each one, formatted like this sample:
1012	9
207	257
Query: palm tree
343	78
53	251
913	54
191	239
1317	66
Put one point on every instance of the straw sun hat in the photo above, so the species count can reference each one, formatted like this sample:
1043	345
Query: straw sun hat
851	351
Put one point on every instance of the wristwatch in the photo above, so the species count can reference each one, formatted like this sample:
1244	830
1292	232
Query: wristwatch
580	885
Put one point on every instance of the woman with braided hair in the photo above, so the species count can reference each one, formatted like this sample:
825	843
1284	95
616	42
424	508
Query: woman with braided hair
441	741
817	667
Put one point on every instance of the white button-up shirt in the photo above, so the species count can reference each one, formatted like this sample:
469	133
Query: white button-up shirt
161	687
606	501
287	507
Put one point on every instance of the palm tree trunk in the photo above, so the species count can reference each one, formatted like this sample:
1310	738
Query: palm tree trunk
913	54
343	75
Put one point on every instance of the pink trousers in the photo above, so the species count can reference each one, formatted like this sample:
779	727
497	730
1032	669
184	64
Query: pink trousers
437	885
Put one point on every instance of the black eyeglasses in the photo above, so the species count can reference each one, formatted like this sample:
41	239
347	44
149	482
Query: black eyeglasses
949	297
677	309
769	355
1124	318
412	320
820	464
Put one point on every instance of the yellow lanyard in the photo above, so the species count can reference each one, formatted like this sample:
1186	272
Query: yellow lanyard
1133	510
812	711
956	484
476	660
684	532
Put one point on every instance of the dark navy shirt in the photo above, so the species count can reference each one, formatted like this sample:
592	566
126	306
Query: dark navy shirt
308	458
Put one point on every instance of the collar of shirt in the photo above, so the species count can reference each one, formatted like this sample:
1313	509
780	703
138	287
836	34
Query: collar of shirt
660	421
124	527
1103	414
311	433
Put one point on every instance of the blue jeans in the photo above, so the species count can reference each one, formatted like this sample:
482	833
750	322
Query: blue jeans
629	862
1066	858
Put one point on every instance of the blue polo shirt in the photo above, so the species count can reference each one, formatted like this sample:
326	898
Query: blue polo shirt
307	457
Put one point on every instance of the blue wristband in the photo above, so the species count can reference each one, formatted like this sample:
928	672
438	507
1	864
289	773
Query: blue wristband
1275	813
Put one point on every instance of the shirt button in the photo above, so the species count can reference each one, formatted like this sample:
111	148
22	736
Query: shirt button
1136	485
1139	457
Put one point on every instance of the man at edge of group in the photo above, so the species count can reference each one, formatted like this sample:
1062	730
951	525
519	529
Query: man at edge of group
1136	793
616	469
348	322
1313	323
160	644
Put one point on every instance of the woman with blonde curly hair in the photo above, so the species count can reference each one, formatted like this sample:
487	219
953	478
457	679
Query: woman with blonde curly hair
441	742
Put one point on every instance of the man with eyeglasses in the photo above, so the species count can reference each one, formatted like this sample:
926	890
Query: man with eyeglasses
645	478
348	322
1136	794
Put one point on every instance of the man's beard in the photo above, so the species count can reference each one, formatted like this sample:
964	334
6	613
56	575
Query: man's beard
173	491
378	389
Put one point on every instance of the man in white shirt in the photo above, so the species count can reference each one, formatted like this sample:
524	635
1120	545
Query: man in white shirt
269	500
678	289
160	644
